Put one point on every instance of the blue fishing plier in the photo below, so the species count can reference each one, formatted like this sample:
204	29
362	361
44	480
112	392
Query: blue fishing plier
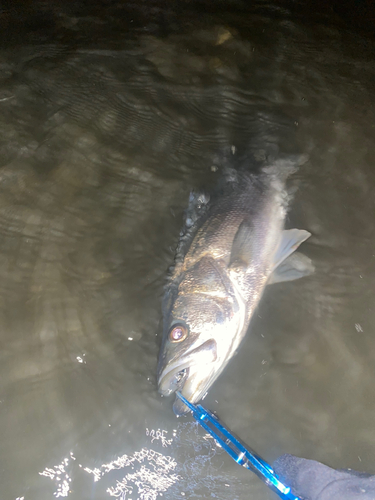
241	454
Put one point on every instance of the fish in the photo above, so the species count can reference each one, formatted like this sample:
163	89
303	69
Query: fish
232	246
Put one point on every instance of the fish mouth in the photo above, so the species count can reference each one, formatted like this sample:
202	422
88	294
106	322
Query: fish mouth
190	374
173	380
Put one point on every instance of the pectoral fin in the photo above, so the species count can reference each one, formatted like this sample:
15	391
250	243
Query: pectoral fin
241	249
290	241
287	265
292	268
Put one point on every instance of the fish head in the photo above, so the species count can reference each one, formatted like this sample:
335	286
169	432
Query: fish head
197	343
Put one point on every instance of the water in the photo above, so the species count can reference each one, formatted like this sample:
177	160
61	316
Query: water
108	117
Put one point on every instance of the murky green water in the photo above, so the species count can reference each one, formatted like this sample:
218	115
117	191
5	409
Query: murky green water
108	118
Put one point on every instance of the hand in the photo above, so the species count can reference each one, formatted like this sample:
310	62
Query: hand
312	480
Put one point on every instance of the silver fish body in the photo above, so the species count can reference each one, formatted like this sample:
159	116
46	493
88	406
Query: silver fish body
219	277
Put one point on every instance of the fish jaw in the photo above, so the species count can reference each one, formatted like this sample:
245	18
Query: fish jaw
195	387
190	374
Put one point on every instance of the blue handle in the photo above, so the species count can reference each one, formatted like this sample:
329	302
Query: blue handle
241	454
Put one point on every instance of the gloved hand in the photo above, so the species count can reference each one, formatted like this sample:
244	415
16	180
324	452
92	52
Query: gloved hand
312	480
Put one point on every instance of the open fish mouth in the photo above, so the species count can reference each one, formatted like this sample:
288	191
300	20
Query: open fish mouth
180	377
173	380
190	382
178	374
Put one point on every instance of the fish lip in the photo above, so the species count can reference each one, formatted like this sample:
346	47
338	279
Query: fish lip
183	364
180	409
168	379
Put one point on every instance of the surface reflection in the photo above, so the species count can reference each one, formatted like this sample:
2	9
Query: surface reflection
145	474
152	472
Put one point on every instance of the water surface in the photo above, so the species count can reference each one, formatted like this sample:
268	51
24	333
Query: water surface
108	118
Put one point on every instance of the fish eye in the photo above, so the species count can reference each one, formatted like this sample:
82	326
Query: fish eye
178	333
